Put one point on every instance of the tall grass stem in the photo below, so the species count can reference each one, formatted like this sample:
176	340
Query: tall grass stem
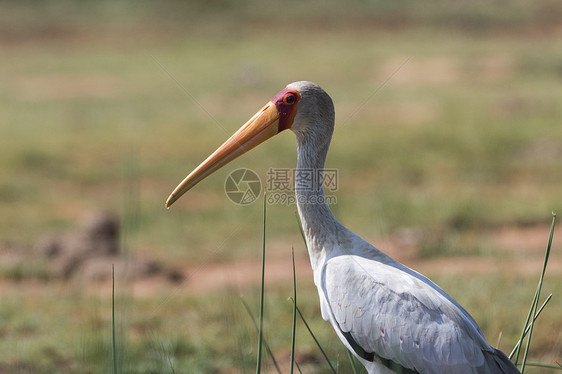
352	362
529	322
265	344
260	336
314	337
293	333
529	327
113	343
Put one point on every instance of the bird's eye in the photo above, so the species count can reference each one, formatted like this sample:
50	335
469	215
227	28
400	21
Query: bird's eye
289	99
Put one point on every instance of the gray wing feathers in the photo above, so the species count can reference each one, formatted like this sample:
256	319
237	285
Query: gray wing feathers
497	359
401	318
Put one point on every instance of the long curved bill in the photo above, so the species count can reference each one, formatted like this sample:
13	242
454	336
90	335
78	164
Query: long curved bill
262	126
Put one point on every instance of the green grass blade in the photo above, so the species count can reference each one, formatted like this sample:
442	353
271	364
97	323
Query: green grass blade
533	308
538	293
517	349
113	344
260	336
293	333
528	327
265	344
529	335
314	337
352	362
171	366
299	223
338	365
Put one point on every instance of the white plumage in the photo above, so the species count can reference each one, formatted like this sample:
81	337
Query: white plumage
393	319
399	315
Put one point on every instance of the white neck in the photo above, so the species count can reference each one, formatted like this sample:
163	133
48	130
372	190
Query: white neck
320	227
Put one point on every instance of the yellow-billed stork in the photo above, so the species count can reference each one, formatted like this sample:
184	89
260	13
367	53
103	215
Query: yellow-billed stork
393	319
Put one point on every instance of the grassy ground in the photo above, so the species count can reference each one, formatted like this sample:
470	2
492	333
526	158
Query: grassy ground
108	106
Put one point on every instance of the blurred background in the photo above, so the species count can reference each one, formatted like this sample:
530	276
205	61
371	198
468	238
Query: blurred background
448	145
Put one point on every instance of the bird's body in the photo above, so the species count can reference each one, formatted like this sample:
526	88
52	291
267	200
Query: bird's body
393	319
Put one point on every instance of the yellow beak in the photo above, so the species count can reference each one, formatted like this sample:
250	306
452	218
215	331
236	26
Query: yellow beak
262	126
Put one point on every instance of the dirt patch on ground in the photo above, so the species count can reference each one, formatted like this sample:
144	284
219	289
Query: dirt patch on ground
520	252
529	240
88	252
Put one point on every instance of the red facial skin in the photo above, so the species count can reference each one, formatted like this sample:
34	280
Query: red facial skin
286	102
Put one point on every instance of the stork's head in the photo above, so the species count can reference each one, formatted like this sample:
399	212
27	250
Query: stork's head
315	111
303	107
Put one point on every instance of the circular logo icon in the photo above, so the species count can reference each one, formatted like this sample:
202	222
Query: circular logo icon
242	186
